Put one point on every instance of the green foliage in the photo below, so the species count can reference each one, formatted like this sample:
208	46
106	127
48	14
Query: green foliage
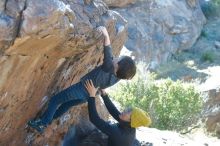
216	2
171	105
208	56
211	8
204	34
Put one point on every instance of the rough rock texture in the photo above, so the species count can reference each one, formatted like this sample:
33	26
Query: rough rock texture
46	46
118	3
159	28
212	112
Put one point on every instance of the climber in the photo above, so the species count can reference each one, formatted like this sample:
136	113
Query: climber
122	133
103	76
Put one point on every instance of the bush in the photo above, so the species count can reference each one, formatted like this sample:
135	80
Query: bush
171	105
211	8
208	56
204	34
216	2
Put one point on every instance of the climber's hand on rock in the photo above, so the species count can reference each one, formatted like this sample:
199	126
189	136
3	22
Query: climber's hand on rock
90	88
103	30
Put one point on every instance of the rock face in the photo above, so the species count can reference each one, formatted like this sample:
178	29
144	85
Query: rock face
159	28
46	46
118	3
212	112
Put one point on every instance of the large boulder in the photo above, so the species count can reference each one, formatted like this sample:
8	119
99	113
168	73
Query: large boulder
46	46
212	111
159	28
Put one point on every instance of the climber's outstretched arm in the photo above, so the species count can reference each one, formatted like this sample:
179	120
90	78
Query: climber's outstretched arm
107	65
104	31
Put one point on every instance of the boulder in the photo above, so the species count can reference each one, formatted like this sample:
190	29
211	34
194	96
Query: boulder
159	28
46	46
217	44
212	112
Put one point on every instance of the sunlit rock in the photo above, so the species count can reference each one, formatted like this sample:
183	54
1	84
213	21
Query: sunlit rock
157	29
46	46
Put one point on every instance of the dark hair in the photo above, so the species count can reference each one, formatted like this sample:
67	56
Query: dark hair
126	68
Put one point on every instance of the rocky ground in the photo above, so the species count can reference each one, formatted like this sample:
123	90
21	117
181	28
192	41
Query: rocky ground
157	137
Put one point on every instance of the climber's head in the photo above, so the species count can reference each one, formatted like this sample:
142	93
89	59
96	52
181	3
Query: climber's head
136	116
125	67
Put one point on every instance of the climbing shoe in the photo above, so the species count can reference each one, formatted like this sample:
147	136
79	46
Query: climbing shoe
37	125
